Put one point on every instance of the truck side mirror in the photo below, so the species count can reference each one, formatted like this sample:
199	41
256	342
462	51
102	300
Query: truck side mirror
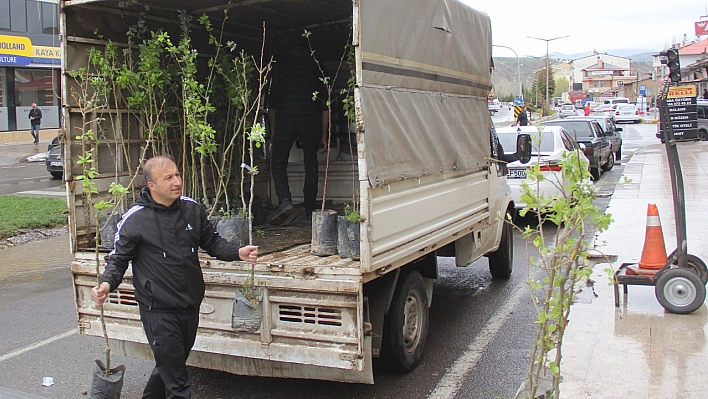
523	147
618	129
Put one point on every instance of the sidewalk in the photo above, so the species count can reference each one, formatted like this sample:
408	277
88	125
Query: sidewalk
24	136
639	350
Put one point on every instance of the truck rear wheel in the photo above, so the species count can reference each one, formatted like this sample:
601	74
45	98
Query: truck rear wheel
501	261
406	325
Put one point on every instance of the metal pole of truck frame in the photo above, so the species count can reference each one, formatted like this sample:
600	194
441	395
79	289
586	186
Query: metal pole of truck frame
548	67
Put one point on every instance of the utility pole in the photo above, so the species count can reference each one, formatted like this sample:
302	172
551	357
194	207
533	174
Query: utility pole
548	67
518	67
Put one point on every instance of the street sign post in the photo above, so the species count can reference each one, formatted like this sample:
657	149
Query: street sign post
681	101
518	101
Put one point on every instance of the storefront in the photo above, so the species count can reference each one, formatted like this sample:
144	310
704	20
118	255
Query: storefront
30	58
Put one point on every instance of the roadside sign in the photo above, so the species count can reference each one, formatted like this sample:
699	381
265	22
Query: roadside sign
518	101
681	101
701	28
643	90
517	110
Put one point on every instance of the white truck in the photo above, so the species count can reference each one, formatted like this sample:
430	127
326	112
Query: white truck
494	106
427	169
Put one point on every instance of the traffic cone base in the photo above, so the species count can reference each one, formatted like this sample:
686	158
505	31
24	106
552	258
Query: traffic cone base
654	252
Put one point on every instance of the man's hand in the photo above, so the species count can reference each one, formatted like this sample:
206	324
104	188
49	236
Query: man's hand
323	145
100	293
249	253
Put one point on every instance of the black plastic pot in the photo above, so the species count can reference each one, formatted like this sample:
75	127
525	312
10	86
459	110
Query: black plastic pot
109	387
324	233
353	234
109	226
343	247
233	230
246	316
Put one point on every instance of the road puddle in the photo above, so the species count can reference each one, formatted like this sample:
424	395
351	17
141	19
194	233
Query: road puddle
27	262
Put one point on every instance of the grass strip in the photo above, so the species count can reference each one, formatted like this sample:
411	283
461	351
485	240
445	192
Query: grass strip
20	213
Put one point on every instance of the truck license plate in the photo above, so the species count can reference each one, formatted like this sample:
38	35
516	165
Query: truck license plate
516	174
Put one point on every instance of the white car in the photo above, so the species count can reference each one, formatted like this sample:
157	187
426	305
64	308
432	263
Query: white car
567	110
626	113
555	142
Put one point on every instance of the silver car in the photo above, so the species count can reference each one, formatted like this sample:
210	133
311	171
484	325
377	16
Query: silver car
567	110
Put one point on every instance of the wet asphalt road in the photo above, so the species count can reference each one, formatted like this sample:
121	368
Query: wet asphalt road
480	328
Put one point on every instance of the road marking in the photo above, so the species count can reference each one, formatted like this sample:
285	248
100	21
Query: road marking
453	379
42	192
37	345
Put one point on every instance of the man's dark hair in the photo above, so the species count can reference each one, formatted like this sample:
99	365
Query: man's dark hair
159	160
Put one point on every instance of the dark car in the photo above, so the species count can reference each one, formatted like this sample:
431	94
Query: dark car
611	131
54	163
597	147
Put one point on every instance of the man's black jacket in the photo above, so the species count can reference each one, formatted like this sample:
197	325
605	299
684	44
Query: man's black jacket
163	244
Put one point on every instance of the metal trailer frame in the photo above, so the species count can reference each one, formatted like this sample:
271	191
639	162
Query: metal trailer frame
679	256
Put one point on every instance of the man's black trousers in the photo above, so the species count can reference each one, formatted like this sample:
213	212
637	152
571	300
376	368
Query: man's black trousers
171	336
309	130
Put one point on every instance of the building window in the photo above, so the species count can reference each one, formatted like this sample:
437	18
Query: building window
34	17
602	84
594	84
50	19
34	86
4	14
18	21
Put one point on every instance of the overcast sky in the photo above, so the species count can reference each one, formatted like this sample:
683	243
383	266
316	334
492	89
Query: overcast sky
591	25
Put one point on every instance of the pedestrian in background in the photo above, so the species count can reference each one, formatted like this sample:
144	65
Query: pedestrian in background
586	108
160	235
294	115
522	119
35	117
705	94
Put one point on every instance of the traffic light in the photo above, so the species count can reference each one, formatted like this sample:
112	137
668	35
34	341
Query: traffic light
671	59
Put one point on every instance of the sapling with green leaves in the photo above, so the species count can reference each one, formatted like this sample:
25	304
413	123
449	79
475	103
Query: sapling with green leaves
328	83
561	257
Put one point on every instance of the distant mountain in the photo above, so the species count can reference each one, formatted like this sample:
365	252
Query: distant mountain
638	55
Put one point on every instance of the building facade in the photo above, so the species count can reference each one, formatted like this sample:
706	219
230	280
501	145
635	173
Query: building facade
30	62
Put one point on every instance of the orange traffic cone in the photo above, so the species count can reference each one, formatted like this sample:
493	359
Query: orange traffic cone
654	252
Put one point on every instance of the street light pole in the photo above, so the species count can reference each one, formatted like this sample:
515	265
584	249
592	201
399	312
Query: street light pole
547	61
518	67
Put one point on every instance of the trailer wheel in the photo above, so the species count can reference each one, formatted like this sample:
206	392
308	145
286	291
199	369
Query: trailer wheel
696	265
501	261
680	291
406	326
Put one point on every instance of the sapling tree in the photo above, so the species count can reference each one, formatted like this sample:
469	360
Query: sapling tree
561	256
328	82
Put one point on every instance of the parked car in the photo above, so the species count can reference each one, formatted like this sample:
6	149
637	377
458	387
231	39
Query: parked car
547	151
604	109
567	110
597	146
611	131
53	162
617	100
626	113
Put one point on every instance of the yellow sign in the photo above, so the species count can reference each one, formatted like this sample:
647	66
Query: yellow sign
47	52
15	45
682	91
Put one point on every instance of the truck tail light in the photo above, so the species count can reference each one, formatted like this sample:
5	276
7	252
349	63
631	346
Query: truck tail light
551	167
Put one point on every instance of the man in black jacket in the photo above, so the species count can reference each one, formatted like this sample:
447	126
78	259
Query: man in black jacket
160	234
35	116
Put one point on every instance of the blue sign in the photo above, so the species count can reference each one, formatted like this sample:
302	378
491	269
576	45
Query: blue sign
643	90
518	101
14	60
